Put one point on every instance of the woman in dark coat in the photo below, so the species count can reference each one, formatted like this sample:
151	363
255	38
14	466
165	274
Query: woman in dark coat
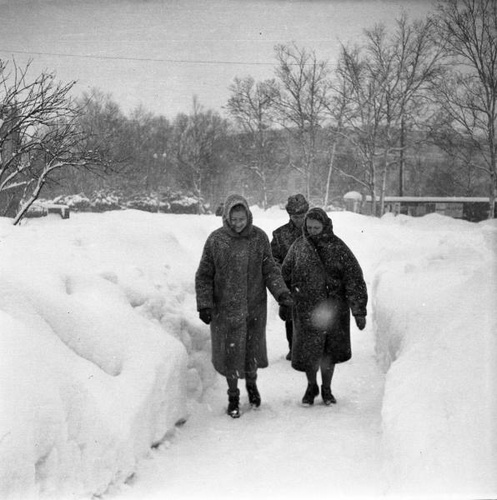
235	269
327	284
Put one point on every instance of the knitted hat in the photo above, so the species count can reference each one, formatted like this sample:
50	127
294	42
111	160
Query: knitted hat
297	204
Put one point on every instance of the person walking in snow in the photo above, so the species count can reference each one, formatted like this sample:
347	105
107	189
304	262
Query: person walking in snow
235	269
327	284
282	240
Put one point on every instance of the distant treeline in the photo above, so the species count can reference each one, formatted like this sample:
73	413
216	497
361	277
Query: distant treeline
406	111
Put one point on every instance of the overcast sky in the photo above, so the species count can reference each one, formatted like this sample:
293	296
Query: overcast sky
159	53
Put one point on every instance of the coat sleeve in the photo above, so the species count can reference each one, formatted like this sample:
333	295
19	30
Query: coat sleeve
355	286
204	278
271	270
287	266
276	249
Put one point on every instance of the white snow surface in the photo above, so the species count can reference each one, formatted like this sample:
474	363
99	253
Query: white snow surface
106	385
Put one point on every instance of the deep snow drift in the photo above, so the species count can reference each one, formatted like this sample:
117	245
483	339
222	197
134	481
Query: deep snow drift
107	388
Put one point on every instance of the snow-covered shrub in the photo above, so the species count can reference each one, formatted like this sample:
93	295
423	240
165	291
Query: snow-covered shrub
76	202
145	203
103	201
186	205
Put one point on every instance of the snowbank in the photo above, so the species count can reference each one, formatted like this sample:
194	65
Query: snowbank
435	324
95	347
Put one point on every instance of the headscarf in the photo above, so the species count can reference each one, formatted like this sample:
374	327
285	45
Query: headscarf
232	201
326	234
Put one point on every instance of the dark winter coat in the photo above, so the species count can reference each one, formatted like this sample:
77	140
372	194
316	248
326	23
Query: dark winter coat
327	283
283	237
232	277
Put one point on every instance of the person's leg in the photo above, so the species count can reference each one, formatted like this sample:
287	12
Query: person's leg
251	353
312	387
289	336
311	375
232	384
327	370
233	397
253	392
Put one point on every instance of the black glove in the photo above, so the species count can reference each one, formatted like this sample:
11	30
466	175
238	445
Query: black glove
285	313
205	315
360	321
285	299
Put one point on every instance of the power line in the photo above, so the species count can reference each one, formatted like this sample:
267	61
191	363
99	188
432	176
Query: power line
136	59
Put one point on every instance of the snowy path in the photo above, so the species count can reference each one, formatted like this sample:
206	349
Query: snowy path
281	449
425	429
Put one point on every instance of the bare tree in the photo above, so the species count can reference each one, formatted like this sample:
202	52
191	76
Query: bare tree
336	107
195	142
252	106
468	96
109	133
360	93
411	61
304	87
140	127
39	135
382	88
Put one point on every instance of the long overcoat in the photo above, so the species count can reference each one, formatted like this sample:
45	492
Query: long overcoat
234	272
283	237
327	284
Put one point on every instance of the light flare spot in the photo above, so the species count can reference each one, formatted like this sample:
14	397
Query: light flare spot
323	315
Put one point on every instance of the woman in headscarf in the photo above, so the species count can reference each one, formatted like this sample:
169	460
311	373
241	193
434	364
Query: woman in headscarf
327	284
235	269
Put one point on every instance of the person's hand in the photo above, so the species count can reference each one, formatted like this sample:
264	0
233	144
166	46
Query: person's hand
285	299
284	313
205	315
360	321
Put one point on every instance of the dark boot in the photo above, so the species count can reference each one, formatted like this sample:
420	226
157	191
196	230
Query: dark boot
253	394
233	403
327	396
311	392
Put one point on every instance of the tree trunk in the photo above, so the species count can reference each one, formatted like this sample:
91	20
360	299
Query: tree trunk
264	189
382	192
199	193
493	171
401	160
373	188
330	170
32	198
493	196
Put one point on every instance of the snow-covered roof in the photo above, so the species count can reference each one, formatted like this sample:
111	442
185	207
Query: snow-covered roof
352	195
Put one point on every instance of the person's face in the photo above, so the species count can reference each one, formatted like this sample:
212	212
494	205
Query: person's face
313	227
238	219
298	220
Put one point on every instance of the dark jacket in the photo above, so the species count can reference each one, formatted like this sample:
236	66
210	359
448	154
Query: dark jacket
232	277
283	237
327	283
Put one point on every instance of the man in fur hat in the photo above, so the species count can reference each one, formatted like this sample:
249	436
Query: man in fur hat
283	237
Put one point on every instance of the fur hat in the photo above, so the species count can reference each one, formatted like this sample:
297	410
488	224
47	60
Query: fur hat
297	204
